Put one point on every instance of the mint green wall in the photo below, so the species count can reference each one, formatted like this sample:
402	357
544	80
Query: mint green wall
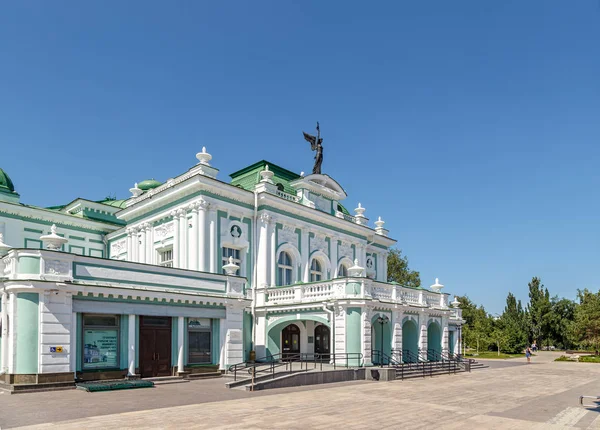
79	342
174	343
137	341
29	265
451	341
27	343
124	341
247	333
434	337
353	332
353	288
216	341
377	332
410	338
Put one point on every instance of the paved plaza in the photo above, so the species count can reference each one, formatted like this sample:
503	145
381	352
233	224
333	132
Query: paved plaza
510	394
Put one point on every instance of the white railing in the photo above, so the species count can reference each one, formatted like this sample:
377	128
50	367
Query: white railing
286	196
362	288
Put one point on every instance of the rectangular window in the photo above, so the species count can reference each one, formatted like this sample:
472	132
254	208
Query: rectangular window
199	340
233	253
100	342
165	258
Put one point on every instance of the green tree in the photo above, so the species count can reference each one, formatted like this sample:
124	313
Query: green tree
559	321
398	270
478	326
539	305
513	324
586	325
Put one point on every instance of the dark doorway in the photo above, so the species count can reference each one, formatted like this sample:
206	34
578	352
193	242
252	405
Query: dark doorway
290	341
322	339
155	346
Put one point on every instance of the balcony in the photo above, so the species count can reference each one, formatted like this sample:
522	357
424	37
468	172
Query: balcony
45	265
351	288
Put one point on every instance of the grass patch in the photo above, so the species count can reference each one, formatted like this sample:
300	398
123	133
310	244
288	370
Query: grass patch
493	354
589	359
564	358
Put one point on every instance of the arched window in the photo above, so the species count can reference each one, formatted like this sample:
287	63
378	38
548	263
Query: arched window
316	271
285	268
342	271
280	187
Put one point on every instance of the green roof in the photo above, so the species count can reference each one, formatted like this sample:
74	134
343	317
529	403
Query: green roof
114	203
248	177
148	184
6	183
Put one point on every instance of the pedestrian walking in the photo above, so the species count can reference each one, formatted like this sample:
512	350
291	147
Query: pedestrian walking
528	354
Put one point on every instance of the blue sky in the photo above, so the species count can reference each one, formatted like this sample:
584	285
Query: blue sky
471	127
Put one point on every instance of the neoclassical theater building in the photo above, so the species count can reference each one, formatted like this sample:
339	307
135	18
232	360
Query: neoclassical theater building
199	271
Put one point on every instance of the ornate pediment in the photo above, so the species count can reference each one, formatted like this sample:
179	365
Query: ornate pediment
322	185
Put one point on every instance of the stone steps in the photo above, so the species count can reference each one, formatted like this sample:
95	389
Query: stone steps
161	380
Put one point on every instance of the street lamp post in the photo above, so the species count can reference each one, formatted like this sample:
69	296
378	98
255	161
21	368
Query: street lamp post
382	320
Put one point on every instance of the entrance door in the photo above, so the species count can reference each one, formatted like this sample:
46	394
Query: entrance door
290	340
155	346
322	341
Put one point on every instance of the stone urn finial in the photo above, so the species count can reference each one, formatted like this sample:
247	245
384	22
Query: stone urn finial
266	175
135	191
4	248
437	287
231	268
455	303
356	271
53	241
360	217
204	157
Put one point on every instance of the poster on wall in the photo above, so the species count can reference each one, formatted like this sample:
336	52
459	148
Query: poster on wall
100	348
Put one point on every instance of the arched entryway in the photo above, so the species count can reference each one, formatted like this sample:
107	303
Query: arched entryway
381	339
322	342
434	342
410	341
290	340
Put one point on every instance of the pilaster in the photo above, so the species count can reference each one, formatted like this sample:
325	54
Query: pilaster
203	244
175	239
397	332
334	256
262	259
4	321
131	345
183	236
212	233
193	249
305	254
273	252
423	334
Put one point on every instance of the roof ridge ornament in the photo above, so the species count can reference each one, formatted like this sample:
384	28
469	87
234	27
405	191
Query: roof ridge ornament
204	157
316	145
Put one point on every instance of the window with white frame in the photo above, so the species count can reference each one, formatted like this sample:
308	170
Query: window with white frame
285	269
233	253
316	271
342	271
165	257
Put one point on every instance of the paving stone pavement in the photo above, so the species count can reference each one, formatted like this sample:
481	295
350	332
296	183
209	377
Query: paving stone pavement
542	395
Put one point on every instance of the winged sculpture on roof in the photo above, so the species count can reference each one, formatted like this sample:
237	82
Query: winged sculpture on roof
316	145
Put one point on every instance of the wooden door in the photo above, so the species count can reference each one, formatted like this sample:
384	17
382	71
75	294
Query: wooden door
155	346
290	337
322	341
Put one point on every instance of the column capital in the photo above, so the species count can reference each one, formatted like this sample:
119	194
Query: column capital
181	212
265	218
173	213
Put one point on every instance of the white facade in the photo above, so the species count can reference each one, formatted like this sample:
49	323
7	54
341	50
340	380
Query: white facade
305	277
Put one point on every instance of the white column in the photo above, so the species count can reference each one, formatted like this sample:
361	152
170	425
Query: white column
194	238
131	344
305	254
142	247
222	343
384	256
183	233
129	244
334	257
72	345
397	333
273	253
4	351
423	334
149	244
180	334
212	216
135	245
175	239
263	245
202	239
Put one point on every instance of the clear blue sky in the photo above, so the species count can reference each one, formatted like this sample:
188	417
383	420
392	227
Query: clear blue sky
471	127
